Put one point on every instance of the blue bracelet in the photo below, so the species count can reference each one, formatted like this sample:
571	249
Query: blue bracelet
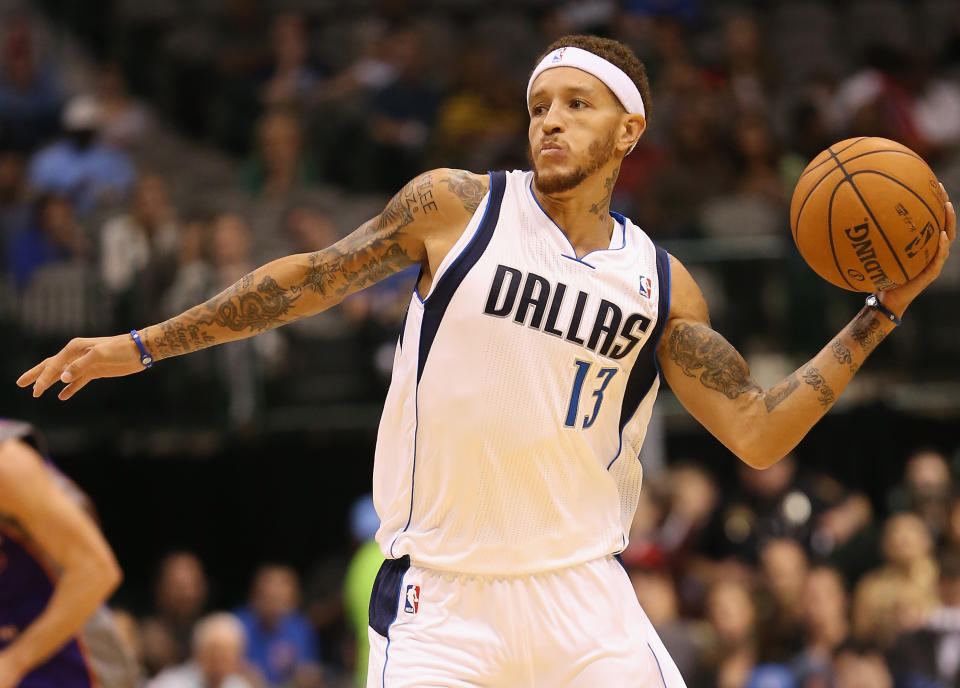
145	358
873	301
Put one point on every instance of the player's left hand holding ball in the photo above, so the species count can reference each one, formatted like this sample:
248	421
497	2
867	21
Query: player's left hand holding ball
898	298
83	360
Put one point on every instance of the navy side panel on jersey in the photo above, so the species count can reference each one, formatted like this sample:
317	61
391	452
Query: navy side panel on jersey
437	302
386	594
646	369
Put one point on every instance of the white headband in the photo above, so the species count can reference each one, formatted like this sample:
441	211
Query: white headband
615	78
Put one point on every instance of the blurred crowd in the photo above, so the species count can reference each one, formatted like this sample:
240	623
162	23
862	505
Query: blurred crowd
792	580
290	632
782	578
150	157
151	153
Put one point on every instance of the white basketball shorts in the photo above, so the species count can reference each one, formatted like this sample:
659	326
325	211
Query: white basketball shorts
578	627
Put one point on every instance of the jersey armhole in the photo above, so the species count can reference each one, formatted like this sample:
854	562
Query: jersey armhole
461	244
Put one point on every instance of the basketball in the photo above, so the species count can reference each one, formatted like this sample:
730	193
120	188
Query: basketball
866	214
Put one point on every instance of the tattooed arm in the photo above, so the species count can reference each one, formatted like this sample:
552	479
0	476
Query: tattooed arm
418	226
713	381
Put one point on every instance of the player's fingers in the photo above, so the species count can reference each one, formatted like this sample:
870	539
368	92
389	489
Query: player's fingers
53	367
951	227
80	368
48	372
943	250
930	273
29	377
49	375
72	388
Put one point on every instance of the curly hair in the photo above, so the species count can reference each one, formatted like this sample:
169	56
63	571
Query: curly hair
613	52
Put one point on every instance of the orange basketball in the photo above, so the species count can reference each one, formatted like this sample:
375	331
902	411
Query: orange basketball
866	214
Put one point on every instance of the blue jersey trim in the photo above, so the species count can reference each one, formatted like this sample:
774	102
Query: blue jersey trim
655	658
646	368
577	260
435	305
403	328
416	285
620	219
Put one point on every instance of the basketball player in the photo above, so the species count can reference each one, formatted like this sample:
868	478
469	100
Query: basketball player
506	472
56	571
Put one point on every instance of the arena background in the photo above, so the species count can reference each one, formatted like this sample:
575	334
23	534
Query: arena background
243	130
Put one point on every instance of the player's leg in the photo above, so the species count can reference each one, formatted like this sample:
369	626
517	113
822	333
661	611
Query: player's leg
430	629
377	657
590	631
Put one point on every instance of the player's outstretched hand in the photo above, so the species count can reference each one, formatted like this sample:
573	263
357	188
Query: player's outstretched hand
899	298
83	360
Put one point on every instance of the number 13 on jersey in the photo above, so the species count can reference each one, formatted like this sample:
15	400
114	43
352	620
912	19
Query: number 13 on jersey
583	373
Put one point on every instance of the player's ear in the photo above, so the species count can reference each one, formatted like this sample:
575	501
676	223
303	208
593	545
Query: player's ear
632	129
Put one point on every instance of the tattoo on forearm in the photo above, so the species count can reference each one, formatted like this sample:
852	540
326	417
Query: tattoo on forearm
177	338
464	186
255	311
236	309
773	396
866	331
368	255
843	355
815	379
840	352
698	350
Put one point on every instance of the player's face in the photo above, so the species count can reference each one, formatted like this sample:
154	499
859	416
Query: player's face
574	122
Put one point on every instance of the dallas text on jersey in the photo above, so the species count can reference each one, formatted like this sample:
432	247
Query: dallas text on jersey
546	301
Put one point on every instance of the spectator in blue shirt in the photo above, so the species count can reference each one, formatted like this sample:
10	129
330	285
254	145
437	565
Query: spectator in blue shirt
53	236
79	166
280	641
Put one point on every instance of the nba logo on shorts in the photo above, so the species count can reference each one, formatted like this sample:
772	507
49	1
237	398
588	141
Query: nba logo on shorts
413	599
646	286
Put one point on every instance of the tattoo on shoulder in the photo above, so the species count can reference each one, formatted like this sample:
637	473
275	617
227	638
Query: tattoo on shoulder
866	331
776	394
813	377
699	351
466	187
412	201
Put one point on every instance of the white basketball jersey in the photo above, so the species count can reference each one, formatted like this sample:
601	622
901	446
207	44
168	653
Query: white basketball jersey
522	386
